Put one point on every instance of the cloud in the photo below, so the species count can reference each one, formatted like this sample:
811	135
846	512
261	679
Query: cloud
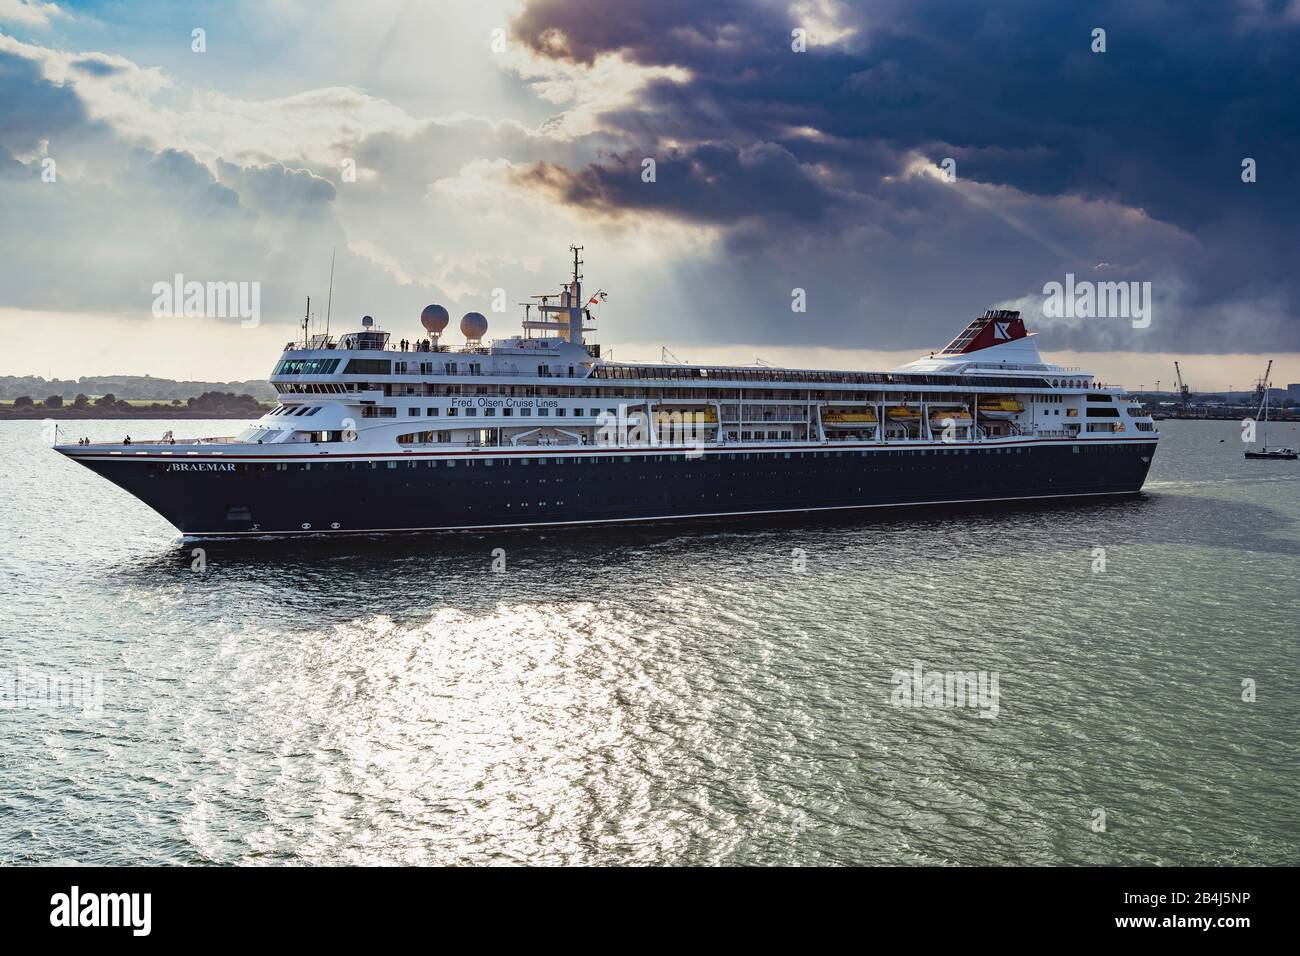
775	170
1064	157
30	13
97	64
156	178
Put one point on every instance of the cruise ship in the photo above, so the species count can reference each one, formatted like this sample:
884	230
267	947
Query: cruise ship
372	435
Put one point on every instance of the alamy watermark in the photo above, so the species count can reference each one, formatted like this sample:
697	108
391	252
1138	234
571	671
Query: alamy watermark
1098	300
25	690
633	428
919	687
208	300
75	908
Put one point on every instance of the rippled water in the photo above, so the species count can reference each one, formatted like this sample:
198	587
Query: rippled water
669	695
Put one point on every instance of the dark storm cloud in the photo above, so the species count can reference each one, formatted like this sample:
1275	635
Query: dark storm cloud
652	34
712	182
1159	123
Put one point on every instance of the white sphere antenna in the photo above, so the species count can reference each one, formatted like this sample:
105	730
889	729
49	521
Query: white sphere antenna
473	326
435	318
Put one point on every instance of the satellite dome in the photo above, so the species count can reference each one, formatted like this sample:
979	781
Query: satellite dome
367	321
474	325
434	318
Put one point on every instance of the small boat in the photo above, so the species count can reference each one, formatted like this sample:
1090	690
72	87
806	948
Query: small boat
1000	408
960	415
849	416
1269	454
707	415
1276	454
903	413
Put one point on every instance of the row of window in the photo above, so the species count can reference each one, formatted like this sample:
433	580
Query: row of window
772	435
728	457
716	393
306	366
653	372
327	388
359	366
414	412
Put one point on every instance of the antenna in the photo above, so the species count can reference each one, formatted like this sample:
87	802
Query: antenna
330	301
305	319
577	276
575	302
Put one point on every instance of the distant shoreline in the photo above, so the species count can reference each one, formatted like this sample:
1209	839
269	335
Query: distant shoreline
41	413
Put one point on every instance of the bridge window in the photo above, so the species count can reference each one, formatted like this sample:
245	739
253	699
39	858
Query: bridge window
306	366
358	366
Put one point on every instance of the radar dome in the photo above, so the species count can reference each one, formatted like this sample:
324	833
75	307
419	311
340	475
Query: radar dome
474	325
434	318
367	321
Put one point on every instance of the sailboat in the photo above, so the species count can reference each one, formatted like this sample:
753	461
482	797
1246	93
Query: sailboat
1280	453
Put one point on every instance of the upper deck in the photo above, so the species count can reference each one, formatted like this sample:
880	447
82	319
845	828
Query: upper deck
368	393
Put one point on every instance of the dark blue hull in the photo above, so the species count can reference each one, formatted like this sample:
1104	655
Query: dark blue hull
234	496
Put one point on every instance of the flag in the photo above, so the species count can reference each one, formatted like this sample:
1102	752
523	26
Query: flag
598	297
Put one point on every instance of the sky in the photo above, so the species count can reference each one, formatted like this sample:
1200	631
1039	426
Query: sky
897	167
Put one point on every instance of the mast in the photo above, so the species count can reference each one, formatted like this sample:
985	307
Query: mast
575	299
1262	414
577	276
330	301
566	317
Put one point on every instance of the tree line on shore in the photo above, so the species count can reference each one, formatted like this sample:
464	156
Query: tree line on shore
213	404
141	387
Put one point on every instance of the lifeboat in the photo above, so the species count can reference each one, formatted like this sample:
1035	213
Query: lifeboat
708	416
848	417
1000	408
904	413
960	415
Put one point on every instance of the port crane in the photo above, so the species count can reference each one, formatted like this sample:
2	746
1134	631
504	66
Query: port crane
1262	384
1184	393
